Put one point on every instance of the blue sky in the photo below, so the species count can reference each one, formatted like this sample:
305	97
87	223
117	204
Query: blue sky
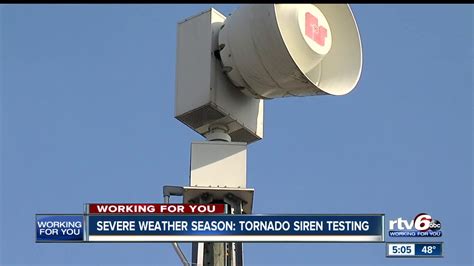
87	106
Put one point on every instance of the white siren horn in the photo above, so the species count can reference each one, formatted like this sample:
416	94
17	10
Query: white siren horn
279	50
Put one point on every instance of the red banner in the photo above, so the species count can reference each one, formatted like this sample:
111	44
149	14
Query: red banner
139	208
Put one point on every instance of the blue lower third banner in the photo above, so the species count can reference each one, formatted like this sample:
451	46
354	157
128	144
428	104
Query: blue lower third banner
235	228
59	228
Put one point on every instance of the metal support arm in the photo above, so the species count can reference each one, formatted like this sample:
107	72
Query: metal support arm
175	191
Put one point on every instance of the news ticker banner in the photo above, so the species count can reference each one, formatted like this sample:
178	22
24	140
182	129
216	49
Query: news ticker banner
414	249
235	228
202	223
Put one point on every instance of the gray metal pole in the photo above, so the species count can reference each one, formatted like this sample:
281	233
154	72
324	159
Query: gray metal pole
209	253
236	247
180	253
215	254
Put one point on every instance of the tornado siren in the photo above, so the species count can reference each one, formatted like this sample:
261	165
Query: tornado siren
227	66
271	51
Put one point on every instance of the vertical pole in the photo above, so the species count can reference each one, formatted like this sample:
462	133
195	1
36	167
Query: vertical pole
215	254
197	253
212	253
209	253
239	253
236	247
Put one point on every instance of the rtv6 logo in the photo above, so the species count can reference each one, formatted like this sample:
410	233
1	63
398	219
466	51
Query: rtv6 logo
423	225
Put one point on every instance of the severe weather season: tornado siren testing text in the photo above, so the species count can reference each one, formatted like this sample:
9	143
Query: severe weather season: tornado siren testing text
231	226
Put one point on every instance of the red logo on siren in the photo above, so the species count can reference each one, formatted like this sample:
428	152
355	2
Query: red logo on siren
313	30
